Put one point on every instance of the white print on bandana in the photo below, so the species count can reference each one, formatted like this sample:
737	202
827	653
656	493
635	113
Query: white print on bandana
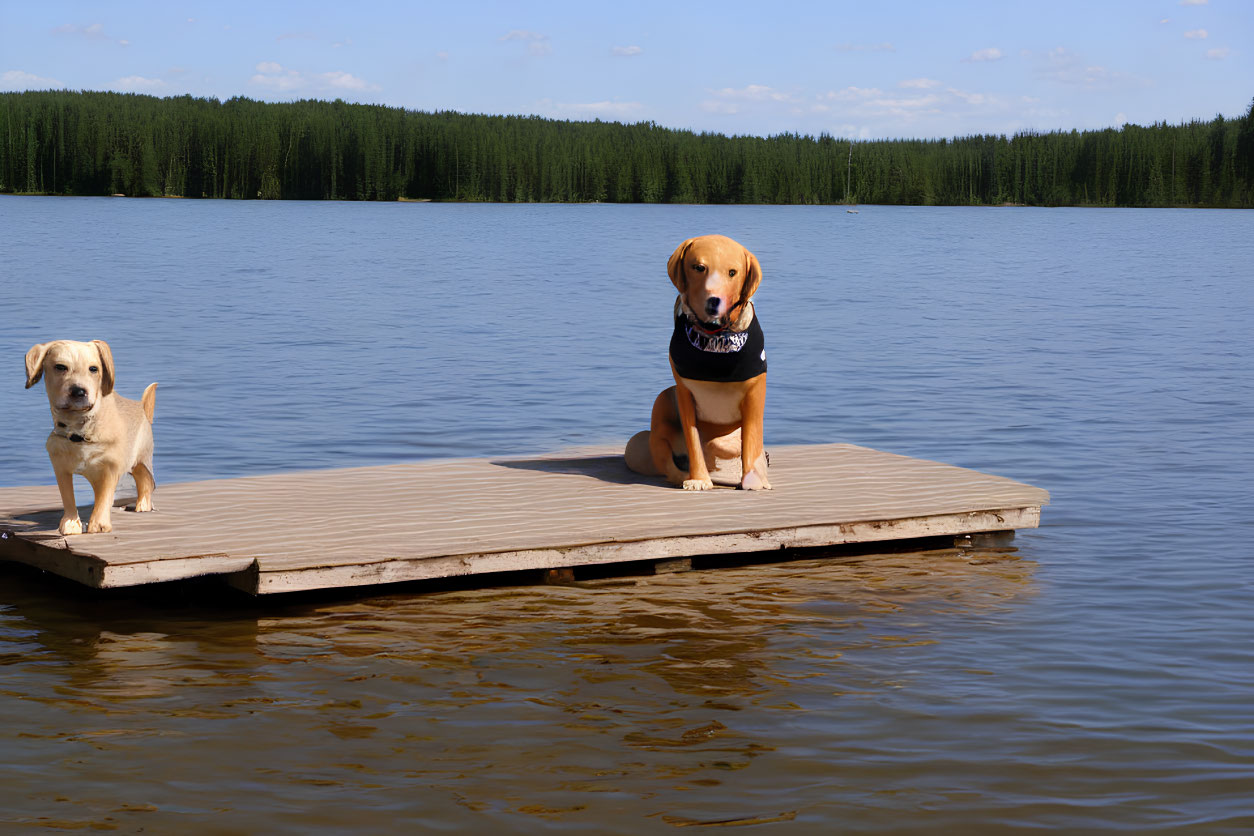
724	342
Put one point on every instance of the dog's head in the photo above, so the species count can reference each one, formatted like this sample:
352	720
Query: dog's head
76	375
715	277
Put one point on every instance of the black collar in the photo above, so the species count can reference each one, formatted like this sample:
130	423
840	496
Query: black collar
75	437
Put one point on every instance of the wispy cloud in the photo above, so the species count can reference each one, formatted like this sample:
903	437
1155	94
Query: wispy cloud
21	80
731	100
1219	53
626	51
872	104
1063	66
881	47
919	83
591	110
90	31
537	43
991	53
851	94
1196	34
274	76
139	83
1194	2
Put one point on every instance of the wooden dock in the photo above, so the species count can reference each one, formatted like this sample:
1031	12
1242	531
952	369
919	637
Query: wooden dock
372	525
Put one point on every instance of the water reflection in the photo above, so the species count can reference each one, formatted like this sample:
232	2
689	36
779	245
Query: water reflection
577	703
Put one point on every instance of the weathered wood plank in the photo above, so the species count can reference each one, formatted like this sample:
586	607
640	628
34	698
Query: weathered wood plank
441	518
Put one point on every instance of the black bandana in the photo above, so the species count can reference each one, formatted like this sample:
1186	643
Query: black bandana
723	356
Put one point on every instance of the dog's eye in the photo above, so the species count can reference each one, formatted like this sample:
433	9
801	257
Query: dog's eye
93	369
61	367
731	274
698	268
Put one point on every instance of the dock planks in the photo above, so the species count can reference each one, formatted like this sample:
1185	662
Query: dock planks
371	525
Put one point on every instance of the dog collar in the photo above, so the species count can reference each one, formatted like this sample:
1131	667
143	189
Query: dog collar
75	437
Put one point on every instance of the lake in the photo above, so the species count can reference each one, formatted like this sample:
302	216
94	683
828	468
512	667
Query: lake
1101	676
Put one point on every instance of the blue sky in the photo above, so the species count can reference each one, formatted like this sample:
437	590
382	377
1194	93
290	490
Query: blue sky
864	69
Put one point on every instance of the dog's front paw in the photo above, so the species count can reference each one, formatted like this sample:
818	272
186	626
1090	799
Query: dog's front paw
754	481
144	503
698	485
70	526
99	527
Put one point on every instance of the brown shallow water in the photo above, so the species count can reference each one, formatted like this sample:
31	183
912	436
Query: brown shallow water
746	695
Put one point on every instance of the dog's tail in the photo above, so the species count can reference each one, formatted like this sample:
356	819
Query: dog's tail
148	400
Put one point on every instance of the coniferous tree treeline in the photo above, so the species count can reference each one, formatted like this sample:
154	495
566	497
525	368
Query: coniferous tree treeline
89	143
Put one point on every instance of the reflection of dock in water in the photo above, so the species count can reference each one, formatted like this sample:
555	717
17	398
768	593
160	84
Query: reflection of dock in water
444	518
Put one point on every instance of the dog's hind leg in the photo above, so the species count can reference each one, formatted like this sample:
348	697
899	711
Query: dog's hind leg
666	438
144	485
638	456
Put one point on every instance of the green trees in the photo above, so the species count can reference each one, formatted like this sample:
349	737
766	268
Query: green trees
62	142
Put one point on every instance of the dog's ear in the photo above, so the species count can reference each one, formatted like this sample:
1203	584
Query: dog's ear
752	279
106	366
675	265
35	363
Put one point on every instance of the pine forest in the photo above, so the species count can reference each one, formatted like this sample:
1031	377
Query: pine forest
92	143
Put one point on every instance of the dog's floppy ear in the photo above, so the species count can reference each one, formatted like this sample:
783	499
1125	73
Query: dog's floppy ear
35	363
675	265
106	366
753	279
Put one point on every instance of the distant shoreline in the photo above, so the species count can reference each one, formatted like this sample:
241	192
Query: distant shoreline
92	143
611	203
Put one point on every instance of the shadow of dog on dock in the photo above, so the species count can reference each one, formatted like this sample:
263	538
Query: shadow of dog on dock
602	468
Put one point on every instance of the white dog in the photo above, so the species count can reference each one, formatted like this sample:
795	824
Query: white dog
96	433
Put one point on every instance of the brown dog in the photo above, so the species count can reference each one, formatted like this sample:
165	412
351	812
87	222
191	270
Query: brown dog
718	358
96	433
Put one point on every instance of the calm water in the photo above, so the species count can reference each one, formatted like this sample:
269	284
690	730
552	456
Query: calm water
1100	677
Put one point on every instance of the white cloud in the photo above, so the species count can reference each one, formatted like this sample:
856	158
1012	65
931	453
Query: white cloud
731	100
851	94
991	53
138	82
1193	2
275	77
1219	53
1063	66
753	93
91	31
340	80
1196	34
919	83
20	80
537	43
590	110
884	47
969	98
904	105
626	51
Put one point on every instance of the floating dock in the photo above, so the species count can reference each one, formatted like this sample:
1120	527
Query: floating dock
434	519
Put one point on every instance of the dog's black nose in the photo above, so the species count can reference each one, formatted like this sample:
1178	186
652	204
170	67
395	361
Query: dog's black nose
77	392
712	305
